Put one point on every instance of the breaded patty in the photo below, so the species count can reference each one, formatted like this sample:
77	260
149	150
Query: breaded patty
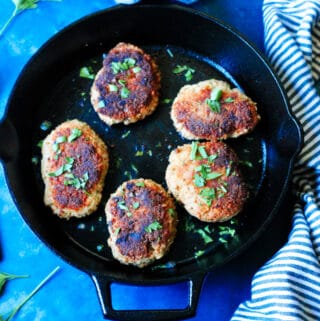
73	166
205	178
212	110
126	89
142	221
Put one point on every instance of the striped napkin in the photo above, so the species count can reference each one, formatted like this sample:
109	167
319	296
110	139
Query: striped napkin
288	286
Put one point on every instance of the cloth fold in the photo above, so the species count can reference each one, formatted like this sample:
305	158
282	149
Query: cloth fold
288	286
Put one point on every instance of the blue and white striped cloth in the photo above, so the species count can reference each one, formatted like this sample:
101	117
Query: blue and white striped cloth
288	286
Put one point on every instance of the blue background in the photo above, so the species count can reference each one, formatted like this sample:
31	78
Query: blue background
71	295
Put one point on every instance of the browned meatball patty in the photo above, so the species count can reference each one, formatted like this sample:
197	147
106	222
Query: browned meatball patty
142	221
73	166
126	89
212	110
205	178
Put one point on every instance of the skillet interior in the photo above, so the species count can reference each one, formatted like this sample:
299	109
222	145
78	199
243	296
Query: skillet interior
50	89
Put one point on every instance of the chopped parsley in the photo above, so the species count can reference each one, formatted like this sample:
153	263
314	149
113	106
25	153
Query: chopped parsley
124	92
139	153
75	133
113	88
140	184
214	101
76	182
194	149
166	101
126	134
134	168
154	226
64	168
170	53
126	64
35	160
136	205
198	253
208	195
86	72
45	125
101	104
199	181
246	163
172	212
206	238
188	71
229	100
40	143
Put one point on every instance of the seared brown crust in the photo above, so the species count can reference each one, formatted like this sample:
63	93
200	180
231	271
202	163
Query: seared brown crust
73	169
194	119
211	188
140	78
142	221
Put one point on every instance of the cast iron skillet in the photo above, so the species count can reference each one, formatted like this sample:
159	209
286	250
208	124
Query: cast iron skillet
50	89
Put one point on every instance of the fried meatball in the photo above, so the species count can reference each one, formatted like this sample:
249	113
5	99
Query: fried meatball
211	110
205	178
73	167
142	221
126	89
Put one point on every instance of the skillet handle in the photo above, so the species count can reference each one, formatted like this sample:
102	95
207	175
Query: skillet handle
103	283
9	145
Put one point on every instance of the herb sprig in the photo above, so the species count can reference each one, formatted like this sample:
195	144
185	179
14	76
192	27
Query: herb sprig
19	7
28	297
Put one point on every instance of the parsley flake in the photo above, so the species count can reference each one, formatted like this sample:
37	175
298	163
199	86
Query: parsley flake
86	72
75	133
154	226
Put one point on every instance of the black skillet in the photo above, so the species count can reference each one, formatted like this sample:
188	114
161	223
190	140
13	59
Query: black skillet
50	89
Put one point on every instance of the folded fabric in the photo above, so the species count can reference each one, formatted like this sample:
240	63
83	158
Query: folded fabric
288	286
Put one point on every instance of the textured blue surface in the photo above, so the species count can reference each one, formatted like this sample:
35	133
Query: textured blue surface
71	295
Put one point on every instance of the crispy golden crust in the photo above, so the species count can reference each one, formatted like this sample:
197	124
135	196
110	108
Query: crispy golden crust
126	89
73	166
194	119
142	221
210	188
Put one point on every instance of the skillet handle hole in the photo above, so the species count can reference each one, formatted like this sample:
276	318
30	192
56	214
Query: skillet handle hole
148	302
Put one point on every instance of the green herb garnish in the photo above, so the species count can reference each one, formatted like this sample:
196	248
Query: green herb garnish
124	92
208	195
86	72
140	184
76	182
202	152
194	149
154	226
214	101
126	134
198	253
113	88
139	153
20	6
172	212
40	143
101	104
4	277
188	71
169	52
199	181
75	133
28	297
45	125
118	66
64	168
229	100
166	101
206	238
136	205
